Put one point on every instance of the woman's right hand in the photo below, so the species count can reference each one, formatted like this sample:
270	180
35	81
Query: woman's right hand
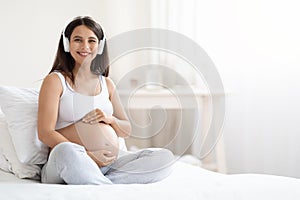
102	157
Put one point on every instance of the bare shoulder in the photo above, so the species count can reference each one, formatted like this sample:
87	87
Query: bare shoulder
109	82
52	83
110	85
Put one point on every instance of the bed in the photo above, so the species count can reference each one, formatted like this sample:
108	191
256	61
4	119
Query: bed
186	182
22	154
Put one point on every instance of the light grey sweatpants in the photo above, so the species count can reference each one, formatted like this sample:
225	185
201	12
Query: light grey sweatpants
69	163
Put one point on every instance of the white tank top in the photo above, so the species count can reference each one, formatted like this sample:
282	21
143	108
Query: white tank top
73	106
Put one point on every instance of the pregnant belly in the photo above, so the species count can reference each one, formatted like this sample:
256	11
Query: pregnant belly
95	137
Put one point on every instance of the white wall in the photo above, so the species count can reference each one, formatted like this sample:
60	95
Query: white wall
254	44
30	32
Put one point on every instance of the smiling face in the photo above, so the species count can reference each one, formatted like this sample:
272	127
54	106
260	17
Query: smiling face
83	45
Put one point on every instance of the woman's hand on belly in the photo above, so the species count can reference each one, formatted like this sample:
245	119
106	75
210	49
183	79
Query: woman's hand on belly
102	157
97	115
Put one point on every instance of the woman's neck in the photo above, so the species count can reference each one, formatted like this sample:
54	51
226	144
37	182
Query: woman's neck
83	71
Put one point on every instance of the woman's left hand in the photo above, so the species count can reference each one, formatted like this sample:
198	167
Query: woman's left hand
97	116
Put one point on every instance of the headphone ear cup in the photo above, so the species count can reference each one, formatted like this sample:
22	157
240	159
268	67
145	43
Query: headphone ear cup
66	43
101	46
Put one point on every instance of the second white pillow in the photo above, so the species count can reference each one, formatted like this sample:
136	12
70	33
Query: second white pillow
19	106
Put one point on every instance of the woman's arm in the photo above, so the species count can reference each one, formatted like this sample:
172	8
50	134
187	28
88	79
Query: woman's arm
49	96
119	121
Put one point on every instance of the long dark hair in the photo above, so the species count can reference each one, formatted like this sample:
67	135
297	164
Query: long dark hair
65	63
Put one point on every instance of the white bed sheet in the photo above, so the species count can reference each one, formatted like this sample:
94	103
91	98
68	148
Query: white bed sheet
187	182
6	177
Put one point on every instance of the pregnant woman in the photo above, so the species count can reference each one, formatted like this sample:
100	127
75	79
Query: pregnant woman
81	119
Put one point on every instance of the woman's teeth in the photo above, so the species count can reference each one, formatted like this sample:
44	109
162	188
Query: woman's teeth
83	53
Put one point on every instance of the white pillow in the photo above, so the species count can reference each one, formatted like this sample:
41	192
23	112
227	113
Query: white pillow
13	164
20	108
4	164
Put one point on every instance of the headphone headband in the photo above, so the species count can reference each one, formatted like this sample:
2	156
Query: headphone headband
66	43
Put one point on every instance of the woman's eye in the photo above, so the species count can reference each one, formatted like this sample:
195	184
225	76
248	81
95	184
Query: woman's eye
77	40
92	41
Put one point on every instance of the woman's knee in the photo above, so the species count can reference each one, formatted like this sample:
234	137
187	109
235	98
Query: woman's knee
66	150
166	156
161	159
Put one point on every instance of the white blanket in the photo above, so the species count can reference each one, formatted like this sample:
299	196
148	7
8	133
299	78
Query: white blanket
187	182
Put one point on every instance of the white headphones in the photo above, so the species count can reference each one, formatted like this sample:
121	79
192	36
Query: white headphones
66	43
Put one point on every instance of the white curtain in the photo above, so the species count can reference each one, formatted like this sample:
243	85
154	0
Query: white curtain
177	132
255	46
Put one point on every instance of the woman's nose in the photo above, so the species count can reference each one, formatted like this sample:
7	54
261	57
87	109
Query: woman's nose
85	45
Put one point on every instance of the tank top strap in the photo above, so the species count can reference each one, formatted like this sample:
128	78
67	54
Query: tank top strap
62	80
104	86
